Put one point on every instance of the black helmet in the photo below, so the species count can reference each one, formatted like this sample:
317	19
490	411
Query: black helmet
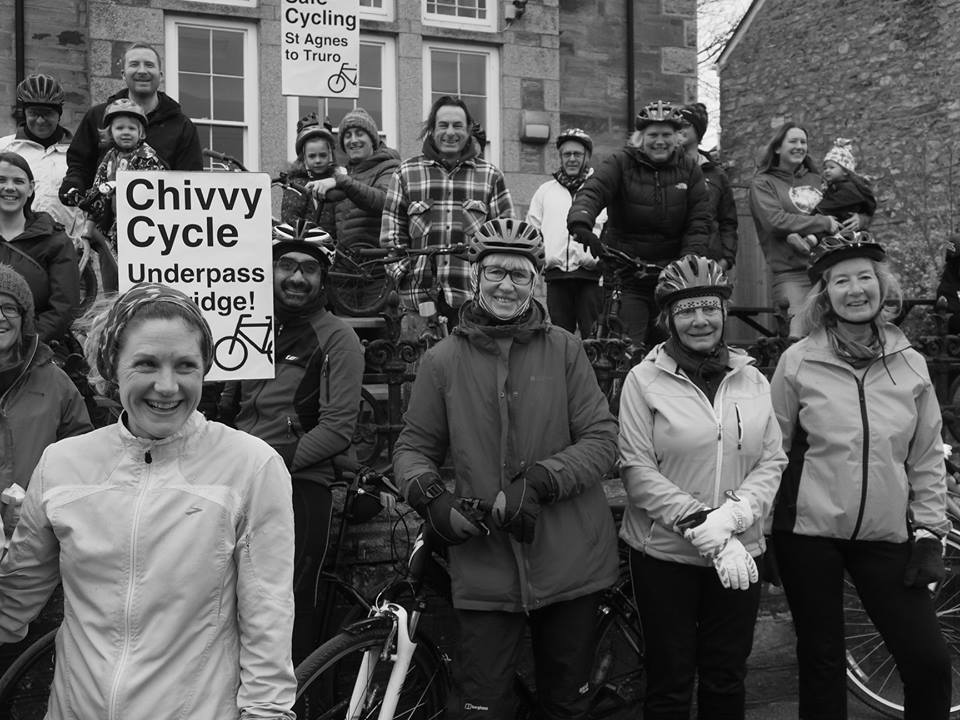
842	246
660	111
577	135
690	276
506	235
40	89
309	128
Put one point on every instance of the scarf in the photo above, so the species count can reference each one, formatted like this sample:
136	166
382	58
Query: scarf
572	184
854	352
705	370
55	137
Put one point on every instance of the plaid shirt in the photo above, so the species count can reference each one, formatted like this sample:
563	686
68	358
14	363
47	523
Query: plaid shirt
428	205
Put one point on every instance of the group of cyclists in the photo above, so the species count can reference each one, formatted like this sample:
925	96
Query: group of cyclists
186	542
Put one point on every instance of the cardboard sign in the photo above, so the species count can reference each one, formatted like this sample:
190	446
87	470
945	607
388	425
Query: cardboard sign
208	235
320	48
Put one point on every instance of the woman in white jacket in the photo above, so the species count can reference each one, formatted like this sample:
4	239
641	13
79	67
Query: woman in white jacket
172	536
701	458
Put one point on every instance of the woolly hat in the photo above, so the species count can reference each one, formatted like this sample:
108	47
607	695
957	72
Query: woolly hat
842	154
696	115
359	118
13	284
309	128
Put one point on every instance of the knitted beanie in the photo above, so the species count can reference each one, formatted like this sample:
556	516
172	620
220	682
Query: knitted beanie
696	115
13	284
842	154
359	118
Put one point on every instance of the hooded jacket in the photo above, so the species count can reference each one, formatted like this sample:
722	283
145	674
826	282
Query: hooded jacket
864	446
46	258
655	211
781	203
40	407
679	452
360	195
176	558
500	399
169	132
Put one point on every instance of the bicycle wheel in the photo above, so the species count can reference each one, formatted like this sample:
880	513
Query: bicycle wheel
232	355
25	686
355	287
368	436
871	671
325	680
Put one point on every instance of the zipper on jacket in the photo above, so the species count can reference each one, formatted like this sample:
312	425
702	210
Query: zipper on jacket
863	460
736	407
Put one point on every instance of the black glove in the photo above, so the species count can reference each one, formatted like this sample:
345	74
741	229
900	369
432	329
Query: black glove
517	508
925	565
70	195
585	237
434	503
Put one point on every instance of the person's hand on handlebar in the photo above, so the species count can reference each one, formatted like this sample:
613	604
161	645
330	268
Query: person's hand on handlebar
587	238
319	188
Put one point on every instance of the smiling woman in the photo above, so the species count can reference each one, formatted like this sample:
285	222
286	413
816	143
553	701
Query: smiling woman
162	499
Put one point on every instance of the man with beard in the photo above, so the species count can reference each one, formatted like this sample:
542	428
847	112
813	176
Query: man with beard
658	209
308	411
573	289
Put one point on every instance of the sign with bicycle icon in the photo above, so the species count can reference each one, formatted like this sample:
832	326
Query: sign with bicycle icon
208	235
320	48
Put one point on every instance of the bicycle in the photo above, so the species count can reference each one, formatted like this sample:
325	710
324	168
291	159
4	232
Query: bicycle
234	354
347	75
390	666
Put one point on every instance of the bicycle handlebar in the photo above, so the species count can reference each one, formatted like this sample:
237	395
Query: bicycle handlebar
223	157
640	268
366	475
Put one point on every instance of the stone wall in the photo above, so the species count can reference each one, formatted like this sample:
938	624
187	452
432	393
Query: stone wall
881	72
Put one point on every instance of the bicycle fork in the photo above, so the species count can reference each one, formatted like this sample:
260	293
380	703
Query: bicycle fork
401	662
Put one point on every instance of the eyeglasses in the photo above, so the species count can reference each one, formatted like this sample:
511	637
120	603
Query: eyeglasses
493	273
306	267
709	311
9	310
571	155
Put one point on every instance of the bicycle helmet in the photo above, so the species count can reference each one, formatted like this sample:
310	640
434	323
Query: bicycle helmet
124	106
842	246
577	135
506	235
306	238
690	276
40	89
310	128
660	111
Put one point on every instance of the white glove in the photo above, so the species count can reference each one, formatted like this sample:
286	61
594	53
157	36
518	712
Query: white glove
734	516
735	567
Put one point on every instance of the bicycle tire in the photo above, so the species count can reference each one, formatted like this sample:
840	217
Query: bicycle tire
950	411
356	287
872	674
231	355
325	679
368	441
25	686
89	287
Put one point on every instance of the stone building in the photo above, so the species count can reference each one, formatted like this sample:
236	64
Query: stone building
575	60
880	72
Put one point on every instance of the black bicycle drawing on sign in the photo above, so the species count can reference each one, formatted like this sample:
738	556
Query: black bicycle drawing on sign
338	81
230	352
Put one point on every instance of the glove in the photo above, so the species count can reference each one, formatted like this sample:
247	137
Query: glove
734	516
69	196
434	503
735	567
925	565
517	508
585	237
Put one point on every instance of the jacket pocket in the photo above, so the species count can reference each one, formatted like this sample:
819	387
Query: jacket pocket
474	215
418	220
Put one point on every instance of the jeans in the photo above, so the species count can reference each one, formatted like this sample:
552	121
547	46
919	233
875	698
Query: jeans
812	572
693	628
638	313
790	288
574	303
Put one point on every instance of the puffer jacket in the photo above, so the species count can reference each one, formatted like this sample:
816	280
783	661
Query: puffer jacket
176	557
46	258
864	445
679	452
38	408
723	206
360	195
781	203
501	399
548	212
48	165
655	212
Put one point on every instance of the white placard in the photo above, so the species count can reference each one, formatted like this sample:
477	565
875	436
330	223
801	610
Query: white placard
320	48
208	235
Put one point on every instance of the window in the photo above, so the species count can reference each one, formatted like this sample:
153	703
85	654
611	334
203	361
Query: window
378	94
472	14
212	71
472	75
377	9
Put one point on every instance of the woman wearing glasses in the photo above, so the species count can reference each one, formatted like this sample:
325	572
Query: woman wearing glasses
700	459
516	404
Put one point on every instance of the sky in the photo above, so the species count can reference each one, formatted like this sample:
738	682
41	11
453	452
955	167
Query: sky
715	16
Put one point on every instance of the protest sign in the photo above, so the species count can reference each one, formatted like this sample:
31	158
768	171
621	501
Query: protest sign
320	48
209	235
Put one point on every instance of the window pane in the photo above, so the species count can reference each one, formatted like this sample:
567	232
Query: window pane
473	74
227	140
371	3
337	108
371	74
307	105
443	71
194	53
227	52
228	98
458	8
195	95
370	100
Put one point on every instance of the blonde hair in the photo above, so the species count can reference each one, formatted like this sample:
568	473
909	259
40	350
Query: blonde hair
816	308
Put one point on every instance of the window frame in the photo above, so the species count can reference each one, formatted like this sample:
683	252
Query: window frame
251	77
493	85
231	3
490	24
387	13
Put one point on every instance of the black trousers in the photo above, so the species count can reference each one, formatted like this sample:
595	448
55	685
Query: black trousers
312	511
693	628
812	572
563	638
574	303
